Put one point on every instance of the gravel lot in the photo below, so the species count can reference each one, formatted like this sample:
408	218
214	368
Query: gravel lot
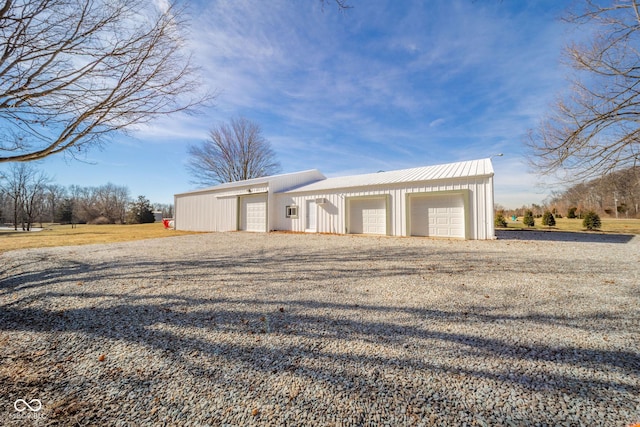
284	329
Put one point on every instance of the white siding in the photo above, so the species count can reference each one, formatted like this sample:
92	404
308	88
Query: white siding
216	209
331	216
202	213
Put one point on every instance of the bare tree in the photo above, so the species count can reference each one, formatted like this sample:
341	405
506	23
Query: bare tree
55	195
165	208
25	187
111	201
104	204
12	185
34	198
233	152
595	129
74	71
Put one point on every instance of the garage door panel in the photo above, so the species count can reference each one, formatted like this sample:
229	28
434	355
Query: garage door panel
253	213
368	216
439	216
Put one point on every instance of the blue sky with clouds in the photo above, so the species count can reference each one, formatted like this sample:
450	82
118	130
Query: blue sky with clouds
385	85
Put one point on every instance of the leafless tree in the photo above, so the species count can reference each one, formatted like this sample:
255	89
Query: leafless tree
34	198
25	186
165	208
595	128
74	71
54	195
233	152
11	185
614	194
107	203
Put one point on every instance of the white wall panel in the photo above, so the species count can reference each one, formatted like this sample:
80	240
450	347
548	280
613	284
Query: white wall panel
331	217
218	211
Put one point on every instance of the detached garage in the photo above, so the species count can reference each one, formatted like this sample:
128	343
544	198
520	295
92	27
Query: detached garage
453	200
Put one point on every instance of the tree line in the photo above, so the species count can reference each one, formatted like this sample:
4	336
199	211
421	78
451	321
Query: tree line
28	196
615	195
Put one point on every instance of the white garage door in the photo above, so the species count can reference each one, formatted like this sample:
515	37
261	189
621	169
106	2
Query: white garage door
438	216
253	213
368	216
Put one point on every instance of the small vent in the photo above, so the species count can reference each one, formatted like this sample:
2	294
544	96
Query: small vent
321	201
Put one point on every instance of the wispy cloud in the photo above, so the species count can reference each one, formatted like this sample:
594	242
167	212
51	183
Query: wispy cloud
385	85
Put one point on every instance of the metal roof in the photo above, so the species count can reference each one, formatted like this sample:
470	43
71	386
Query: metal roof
265	180
466	169
471	168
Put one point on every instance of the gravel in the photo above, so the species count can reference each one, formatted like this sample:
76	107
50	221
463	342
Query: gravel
288	329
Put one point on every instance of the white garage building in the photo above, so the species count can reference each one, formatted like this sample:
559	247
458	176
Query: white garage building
452	200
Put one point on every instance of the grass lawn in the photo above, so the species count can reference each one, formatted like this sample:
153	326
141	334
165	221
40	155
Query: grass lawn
609	225
64	235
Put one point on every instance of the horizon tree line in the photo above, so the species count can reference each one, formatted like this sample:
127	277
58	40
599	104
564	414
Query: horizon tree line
615	195
28	196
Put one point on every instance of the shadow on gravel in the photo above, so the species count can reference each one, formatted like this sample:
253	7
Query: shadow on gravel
338	265
292	335
97	321
563	236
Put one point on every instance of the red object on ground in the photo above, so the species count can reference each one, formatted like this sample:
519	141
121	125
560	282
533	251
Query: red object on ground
165	222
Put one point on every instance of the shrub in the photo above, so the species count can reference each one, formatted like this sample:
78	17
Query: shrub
591	221
548	219
572	213
528	219
500	222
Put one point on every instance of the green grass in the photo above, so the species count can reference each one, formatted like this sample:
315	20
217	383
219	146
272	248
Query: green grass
609	225
64	235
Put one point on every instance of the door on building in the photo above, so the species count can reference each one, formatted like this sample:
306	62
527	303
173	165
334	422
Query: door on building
437	216
310	216
368	216
253	213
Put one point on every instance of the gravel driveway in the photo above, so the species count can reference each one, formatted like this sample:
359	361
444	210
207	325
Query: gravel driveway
287	329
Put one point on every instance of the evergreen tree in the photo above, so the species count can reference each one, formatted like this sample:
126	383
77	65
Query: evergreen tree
140	211
528	219
500	222
64	213
572	212
548	219
591	221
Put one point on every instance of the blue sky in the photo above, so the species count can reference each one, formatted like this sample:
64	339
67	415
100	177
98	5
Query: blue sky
386	85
